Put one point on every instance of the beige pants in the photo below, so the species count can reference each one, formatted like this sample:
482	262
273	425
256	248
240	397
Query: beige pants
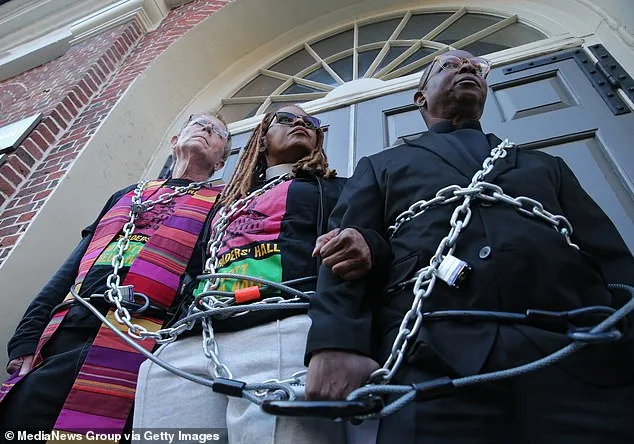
273	350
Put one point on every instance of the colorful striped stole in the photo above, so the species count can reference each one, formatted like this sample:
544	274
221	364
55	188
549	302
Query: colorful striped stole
103	393
109	226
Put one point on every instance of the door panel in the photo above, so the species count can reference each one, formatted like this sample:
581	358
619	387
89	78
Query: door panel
551	107
587	159
381	121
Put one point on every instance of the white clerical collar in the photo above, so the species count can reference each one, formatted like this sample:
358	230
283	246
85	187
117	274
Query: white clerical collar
278	170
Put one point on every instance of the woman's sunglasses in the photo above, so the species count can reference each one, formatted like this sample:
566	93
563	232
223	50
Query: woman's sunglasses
284	118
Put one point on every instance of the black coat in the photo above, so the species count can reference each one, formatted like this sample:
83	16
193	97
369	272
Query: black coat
530	265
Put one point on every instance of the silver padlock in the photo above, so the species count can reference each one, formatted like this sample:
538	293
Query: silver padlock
127	293
453	271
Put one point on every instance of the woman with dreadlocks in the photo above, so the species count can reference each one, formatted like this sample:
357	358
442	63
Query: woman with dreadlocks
283	191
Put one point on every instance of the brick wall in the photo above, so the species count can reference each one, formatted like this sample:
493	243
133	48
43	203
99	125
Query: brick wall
75	93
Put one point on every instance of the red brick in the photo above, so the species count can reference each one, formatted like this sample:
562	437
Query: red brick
9	174
114	55
126	38
18	165
106	65
24	156
42	195
39	141
23	200
68	157
120	47
47	167
108	56
121	50
27	193
53	158
45	132
84	87
89	79
16	211
135	31
97	74
51	125
8	221
8	231
68	103
56	175
36	181
126	41
9	240
6	187
64	113
27	216
58	119
78	98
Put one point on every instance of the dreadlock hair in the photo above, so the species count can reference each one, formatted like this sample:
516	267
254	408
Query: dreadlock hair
251	167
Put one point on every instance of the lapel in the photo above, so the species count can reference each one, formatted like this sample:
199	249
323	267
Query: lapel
438	145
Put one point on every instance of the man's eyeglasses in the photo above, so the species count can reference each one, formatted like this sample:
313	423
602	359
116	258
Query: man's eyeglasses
284	118
201	121
454	63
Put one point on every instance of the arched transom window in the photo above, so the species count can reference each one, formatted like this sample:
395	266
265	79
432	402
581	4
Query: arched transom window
384	48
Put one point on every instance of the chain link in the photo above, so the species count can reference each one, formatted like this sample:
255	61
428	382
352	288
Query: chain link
113	281
425	278
220	226
225	215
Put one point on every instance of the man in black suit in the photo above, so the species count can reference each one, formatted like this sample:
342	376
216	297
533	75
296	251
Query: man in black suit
503	260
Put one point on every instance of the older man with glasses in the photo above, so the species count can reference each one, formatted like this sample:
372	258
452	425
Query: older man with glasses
476	284
69	371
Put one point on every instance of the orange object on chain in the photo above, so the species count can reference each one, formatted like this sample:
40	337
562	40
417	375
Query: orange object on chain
247	294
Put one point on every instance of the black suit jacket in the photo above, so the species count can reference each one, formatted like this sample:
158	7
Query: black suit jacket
530	264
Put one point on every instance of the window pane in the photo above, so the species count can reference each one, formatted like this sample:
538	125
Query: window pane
465	26
322	76
377	32
334	44
420	24
260	86
393	53
422	52
235	112
365	60
294	63
299	89
516	34
343	67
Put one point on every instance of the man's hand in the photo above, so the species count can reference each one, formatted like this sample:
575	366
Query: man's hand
333	374
23	363
345	252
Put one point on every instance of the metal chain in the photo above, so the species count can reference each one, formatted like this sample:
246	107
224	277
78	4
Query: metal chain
210	346
220	226
426	277
487	192
295	379
113	281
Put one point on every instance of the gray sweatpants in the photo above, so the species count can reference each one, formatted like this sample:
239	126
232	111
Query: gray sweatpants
273	350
